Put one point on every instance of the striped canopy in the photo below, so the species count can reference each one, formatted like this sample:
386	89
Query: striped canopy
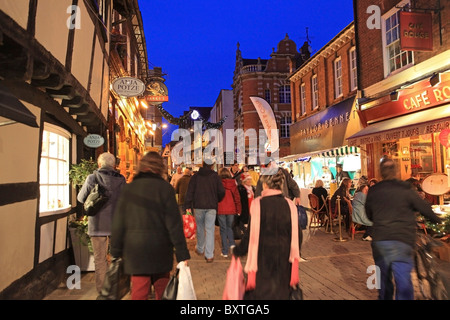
341	151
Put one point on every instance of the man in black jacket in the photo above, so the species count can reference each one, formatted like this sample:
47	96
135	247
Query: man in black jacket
205	190
392	206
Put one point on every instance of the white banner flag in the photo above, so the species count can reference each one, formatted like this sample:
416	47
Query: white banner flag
268	120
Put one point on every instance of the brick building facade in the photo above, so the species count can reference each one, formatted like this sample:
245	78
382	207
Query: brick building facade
323	104
266	79
404	92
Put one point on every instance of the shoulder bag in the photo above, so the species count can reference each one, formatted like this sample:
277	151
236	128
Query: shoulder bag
96	198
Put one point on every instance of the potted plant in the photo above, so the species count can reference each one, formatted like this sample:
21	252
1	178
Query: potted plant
81	242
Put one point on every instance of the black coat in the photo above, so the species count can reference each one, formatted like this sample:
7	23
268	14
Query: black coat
392	206
147	227
205	190
274	269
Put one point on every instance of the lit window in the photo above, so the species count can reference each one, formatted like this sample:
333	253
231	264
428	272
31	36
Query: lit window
395	58
353	71
303	98
285	123
54	169
315	92
285	94
267	95
337	77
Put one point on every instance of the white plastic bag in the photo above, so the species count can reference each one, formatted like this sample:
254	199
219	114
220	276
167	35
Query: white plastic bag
185	285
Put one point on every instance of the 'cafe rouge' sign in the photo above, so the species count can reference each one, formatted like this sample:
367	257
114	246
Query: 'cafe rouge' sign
416	31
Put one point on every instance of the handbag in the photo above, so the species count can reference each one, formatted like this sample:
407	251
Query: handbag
235	281
296	293
186	289
189	225
171	290
302	217
96	199
116	283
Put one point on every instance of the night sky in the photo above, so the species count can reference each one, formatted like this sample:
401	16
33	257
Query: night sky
194	42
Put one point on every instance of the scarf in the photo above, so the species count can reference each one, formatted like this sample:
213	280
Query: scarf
251	266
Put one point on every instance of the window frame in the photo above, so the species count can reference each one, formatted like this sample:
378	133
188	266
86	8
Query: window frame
314	92
60	133
303	98
284	93
267	95
396	43
353	66
285	123
338	90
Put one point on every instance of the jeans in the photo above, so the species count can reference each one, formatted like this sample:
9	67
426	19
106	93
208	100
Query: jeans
206	225
100	248
226	231
394	258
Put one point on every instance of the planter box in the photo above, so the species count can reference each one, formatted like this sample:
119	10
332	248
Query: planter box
83	258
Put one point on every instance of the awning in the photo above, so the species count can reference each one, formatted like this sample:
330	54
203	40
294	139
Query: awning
410	125
334	152
342	151
14	110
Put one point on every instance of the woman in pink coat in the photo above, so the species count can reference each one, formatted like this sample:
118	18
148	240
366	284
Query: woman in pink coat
229	206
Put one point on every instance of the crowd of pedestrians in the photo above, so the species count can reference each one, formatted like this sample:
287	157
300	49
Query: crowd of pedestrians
141	223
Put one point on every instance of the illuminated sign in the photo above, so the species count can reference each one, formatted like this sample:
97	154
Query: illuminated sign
128	87
414	98
416	31
94	140
156	91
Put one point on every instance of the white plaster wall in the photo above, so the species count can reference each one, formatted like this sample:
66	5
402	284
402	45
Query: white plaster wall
61	235
19	146
17	10
97	76
51	27
17	234
82	48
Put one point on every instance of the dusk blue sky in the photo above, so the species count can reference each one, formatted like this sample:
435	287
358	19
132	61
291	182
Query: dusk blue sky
194	42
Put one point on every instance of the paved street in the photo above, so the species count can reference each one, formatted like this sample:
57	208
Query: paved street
333	271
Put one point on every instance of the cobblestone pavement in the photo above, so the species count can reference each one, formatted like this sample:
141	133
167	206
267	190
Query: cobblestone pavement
334	270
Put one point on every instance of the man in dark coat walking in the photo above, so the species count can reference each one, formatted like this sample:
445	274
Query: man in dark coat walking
392	206
204	192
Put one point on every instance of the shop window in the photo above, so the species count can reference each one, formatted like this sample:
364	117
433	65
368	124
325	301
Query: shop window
395	58
285	94
337	77
353	71
303	98
315	92
267	95
285	123
54	168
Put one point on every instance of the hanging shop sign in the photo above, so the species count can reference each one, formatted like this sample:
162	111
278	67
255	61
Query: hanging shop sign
416	31
156	91
128	87
94	140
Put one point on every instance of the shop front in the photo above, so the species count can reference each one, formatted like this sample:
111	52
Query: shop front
319	145
411	126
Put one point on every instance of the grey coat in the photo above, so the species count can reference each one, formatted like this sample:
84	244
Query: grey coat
147	227
100	224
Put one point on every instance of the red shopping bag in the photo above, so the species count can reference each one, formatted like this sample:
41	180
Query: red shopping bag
235	282
189	225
